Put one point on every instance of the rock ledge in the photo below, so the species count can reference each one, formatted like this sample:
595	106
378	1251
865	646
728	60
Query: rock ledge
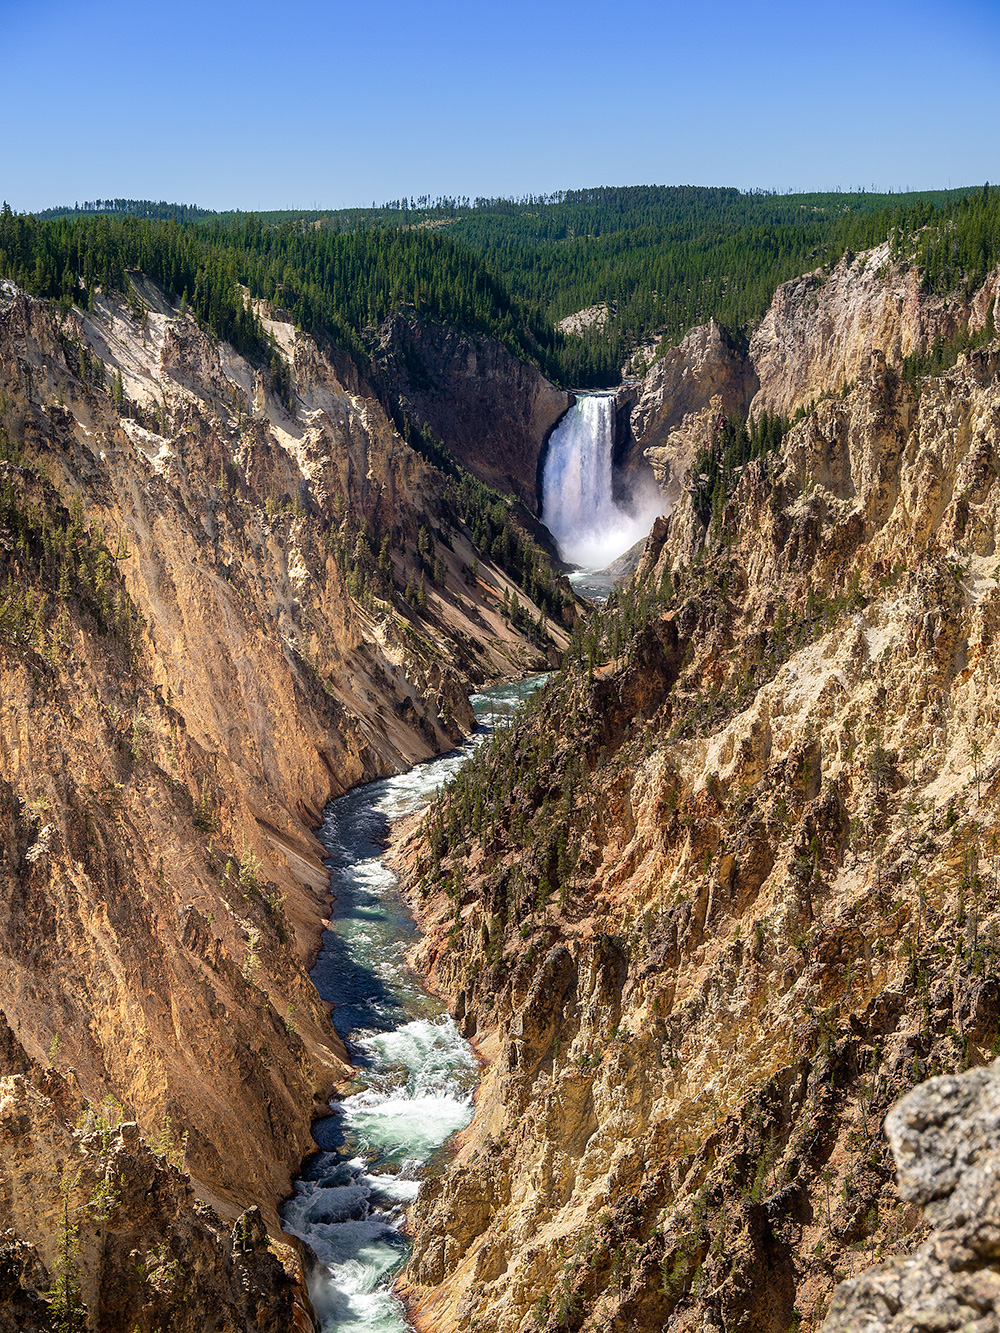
945	1137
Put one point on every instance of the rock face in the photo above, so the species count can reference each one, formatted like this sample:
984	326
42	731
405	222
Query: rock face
157	1256
733	893
679	400
821	328
203	638
593	317
945	1137
815	340
493	412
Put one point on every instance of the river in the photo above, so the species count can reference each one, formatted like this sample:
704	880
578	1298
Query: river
416	1074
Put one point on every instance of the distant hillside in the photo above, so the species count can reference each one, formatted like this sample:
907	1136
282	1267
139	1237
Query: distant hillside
135	208
336	285
662	259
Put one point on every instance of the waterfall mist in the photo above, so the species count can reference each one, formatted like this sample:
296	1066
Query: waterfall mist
578	504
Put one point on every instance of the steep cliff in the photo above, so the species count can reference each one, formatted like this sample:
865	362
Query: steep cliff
734	891
673	409
226	595
821	328
129	1244
493	412
812	343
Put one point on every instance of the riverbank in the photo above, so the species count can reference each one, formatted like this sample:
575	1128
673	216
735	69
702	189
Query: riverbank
414	1074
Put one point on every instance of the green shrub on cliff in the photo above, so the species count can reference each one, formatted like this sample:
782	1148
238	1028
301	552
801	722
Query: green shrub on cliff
54	557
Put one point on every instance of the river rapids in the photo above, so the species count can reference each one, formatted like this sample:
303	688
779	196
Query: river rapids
416	1074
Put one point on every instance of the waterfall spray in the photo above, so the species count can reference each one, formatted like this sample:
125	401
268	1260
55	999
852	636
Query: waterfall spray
578	505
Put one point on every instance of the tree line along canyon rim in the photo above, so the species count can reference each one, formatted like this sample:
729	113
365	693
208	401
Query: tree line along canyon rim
499	787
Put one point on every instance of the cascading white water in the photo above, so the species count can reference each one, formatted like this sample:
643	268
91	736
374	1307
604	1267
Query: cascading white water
415	1072
578	504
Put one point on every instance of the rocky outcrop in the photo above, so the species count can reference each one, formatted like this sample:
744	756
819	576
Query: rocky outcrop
493	412
225	597
821	328
817	336
674	409
119	1232
592	317
742	850
945	1137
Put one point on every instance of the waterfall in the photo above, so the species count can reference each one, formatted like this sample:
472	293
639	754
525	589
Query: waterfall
578	505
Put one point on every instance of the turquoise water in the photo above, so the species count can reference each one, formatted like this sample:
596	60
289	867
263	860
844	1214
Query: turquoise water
415	1073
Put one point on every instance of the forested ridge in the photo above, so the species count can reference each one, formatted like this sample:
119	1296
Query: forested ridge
661	258
337	284
666	260
138	208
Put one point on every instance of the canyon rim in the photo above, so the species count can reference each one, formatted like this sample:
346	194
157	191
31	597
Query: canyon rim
489	833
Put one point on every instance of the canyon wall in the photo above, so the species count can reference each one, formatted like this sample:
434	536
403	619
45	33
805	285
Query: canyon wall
226	596
821	328
811	344
736	888
492	412
674	408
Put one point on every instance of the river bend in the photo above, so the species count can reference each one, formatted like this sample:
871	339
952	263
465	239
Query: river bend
416	1074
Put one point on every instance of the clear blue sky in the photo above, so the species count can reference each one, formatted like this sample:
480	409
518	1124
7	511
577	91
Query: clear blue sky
338	102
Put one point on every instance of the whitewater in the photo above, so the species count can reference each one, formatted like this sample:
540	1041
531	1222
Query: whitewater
416	1074
591	528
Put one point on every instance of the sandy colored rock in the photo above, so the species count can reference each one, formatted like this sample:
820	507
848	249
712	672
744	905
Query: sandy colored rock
193	676
821	328
775	797
679	400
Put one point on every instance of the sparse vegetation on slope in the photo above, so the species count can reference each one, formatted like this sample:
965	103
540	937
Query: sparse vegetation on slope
729	887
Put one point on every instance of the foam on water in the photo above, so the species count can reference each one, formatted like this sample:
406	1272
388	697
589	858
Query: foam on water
408	1122
579	507
433	1052
416	1074
420	1081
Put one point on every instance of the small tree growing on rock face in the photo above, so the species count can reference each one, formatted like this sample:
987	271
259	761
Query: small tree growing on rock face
878	764
976	752
913	754
69	1313
828	1176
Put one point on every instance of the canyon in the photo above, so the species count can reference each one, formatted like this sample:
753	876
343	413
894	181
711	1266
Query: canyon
735	889
203	643
723	893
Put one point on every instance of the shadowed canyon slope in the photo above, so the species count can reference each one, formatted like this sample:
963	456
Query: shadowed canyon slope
493	412
226	595
736	886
